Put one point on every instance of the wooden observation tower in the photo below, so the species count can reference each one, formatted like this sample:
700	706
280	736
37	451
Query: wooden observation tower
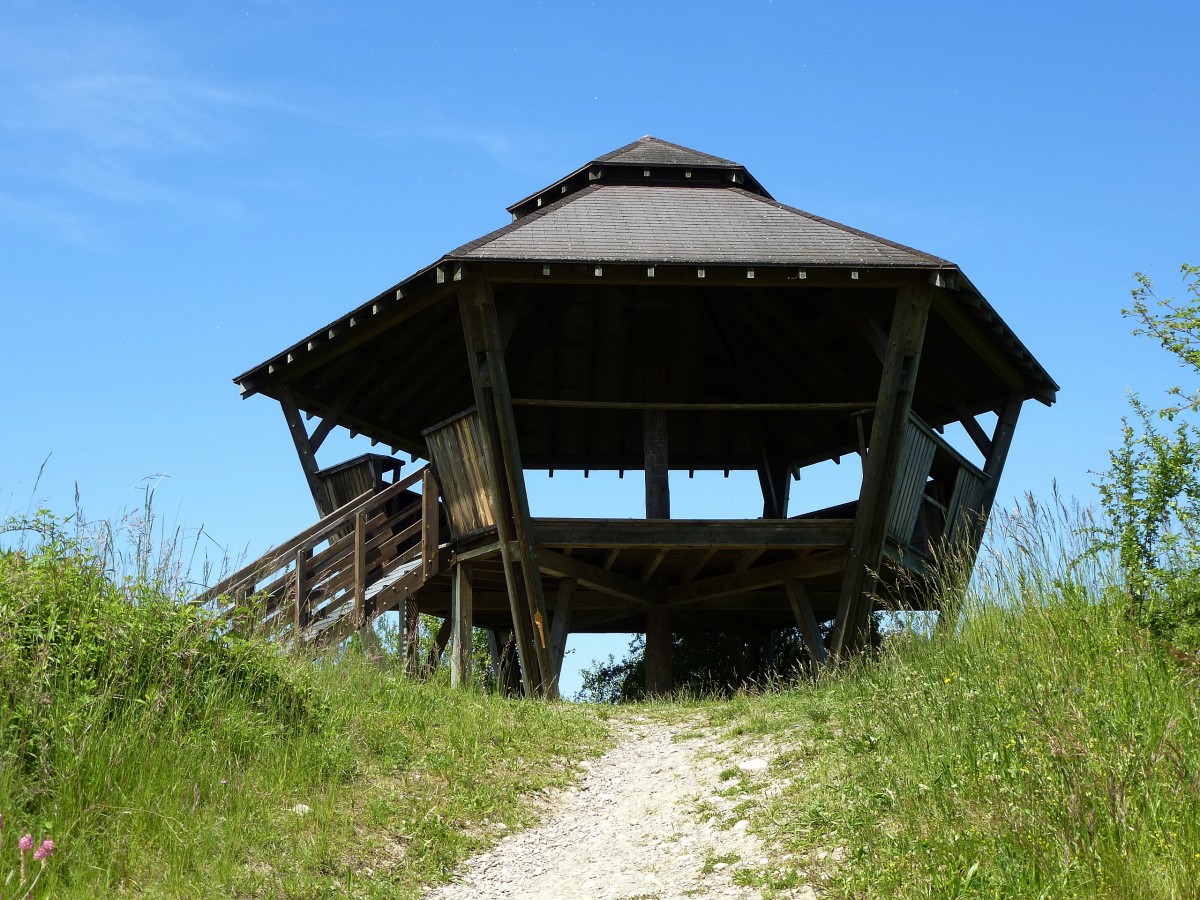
654	310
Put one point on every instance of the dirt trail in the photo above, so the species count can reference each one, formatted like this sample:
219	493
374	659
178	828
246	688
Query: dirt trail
634	827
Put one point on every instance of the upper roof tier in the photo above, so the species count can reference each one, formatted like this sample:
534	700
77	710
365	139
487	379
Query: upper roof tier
655	223
648	160
656	202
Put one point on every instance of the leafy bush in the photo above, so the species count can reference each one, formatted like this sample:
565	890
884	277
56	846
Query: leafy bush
703	665
1151	491
166	758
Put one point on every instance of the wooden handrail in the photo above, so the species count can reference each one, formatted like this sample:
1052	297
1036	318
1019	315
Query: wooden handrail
282	554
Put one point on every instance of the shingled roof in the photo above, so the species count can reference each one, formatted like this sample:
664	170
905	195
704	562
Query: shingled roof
656	202
653	203
684	223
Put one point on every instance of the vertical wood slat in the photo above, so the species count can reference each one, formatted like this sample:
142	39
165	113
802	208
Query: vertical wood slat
963	513
457	449
908	493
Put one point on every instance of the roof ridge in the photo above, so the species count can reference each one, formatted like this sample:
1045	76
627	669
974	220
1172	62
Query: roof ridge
524	220
849	229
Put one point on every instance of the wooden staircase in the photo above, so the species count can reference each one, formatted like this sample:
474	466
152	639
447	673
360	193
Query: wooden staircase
365	558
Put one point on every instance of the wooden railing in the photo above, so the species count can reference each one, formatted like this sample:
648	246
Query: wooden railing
925	511
361	560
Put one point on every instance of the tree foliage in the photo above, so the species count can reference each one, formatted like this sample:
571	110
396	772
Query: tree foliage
703	664
1151	490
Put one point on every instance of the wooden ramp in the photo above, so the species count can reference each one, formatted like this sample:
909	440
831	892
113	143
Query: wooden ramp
369	556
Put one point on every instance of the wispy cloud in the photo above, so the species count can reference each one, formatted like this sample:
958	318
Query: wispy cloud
46	214
101	111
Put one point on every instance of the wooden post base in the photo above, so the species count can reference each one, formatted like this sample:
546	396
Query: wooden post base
658	651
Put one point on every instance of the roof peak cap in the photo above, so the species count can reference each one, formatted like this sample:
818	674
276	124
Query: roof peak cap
647	158
651	150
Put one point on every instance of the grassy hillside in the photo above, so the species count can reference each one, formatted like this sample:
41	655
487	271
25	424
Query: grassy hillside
166	761
1045	748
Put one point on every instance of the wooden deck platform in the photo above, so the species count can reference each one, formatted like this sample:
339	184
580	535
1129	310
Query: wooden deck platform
727	573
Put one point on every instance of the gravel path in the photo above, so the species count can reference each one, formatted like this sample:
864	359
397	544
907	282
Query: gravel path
635	827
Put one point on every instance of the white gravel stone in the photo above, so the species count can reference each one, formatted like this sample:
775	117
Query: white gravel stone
633	823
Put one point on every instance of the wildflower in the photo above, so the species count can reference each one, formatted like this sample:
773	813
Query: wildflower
45	850
26	842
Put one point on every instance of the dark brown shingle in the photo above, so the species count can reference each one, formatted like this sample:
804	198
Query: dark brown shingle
686	224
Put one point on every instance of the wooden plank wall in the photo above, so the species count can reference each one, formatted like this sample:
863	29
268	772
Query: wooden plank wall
908	493
965	512
456	448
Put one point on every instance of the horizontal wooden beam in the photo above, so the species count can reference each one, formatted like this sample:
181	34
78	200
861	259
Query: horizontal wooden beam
653	273
734	534
597	579
759	577
847	405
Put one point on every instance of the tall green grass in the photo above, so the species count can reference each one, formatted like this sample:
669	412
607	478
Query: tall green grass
169	760
1044	747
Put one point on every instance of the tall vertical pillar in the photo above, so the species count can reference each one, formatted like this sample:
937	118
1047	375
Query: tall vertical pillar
462	618
905	340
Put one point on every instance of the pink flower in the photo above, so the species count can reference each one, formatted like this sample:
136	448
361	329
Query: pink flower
45	849
26	842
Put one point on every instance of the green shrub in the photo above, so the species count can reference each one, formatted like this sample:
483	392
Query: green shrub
1151	490
166	758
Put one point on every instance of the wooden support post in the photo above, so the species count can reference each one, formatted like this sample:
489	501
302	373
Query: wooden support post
807	620
512	680
560	627
656	333
658	651
494	645
434	657
775	479
412	638
654	446
539	667
1000	443
462	614
905	340
304	449
735	645
482	381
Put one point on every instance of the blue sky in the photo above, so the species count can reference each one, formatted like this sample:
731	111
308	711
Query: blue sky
187	188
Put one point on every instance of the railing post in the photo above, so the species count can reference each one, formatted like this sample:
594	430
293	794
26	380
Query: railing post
429	525
301	585
360	569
